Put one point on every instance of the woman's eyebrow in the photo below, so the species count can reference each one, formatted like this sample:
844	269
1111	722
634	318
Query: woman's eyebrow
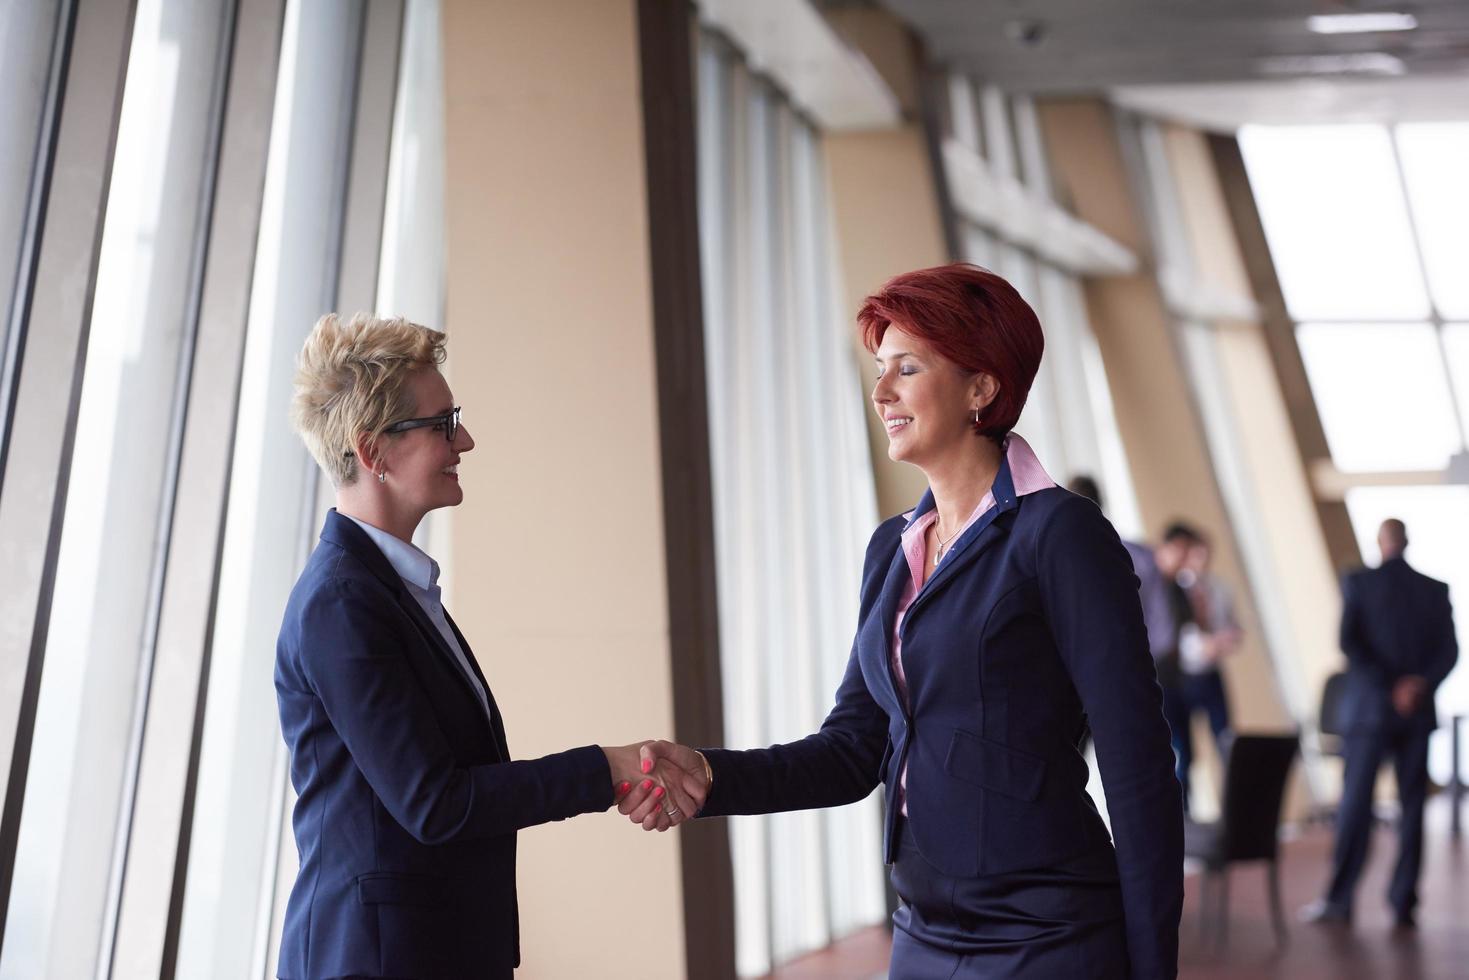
895	356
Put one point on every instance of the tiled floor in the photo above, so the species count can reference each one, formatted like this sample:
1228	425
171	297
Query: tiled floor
1369	950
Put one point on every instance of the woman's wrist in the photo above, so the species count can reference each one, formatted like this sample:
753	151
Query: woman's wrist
708	774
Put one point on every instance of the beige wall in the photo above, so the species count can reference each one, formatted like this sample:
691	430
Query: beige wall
558	574
886	214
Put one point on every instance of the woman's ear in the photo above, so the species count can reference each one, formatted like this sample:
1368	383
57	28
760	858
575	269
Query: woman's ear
364	447
983	390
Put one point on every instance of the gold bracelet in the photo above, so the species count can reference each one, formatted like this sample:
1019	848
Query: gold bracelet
708	772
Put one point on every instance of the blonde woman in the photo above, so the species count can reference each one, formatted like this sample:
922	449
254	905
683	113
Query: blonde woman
409	800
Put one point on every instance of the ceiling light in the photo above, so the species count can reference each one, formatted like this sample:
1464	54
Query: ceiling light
1361	23
1367	63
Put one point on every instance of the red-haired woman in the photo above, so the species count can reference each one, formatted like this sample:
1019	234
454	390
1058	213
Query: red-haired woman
998	619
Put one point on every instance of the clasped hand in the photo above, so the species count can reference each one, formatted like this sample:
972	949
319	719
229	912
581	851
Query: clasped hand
658	784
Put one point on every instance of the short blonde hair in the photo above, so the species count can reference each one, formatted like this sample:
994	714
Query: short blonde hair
352	377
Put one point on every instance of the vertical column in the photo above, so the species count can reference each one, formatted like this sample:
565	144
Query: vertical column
560	574
665	33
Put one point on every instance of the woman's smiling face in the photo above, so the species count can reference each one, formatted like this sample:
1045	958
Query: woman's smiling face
422	463
925	400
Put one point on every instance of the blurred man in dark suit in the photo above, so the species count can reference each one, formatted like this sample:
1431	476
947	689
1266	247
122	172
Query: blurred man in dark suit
1397	631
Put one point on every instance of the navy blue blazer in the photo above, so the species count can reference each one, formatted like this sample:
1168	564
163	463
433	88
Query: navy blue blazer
409	801
1395	622
1030	628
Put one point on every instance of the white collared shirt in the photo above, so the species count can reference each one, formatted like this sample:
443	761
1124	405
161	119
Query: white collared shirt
420	574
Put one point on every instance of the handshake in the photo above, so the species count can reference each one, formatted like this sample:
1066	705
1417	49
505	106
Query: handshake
658	784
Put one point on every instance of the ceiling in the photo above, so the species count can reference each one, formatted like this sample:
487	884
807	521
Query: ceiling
1068	46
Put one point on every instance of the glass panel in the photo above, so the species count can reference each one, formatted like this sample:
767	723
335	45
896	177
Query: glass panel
1033	166
1382	394
1435	159
1438	537
999	133
1332	205
979	245
1456	350
411	280
27	36
963	114
97	641
273	516
775	338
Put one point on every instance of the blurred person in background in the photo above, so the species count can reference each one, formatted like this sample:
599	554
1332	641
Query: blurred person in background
1154	590
409	800
1397	631
1208	631
996	618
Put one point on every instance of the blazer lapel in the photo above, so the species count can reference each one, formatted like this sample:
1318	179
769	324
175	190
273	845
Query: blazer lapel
897	579
887	608
342	532
497	723
975	541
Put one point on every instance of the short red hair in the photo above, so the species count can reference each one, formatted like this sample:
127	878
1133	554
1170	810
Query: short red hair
972	317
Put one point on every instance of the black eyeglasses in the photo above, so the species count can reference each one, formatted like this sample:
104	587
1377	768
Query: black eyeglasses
449	421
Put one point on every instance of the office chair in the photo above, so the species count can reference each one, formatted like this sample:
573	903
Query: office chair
1248	827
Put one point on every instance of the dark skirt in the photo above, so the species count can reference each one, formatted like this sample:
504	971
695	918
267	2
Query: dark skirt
1060	921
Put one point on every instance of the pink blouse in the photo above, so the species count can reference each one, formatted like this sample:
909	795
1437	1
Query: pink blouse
1029	476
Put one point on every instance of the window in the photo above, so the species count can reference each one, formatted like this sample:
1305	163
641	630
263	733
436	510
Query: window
1337	222
154	736
1369	227
1435	157
792	476
1382	393
100	639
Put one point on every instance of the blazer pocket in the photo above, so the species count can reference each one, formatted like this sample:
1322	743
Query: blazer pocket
394	888
994	766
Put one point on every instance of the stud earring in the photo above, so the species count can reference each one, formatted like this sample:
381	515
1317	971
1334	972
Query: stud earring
382	476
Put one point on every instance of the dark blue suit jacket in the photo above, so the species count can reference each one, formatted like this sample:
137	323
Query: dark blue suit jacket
409	802
1395	622
1030	628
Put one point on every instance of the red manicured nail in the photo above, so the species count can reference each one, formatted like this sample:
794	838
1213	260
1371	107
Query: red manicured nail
647	765
658	793
621	790
647	783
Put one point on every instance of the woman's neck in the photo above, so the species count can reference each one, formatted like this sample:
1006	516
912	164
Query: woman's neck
960	483
370	509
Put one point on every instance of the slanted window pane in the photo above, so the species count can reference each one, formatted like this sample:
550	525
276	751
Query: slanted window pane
26	34
1456	350
1382	394
1435	162
97	641
1332	205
